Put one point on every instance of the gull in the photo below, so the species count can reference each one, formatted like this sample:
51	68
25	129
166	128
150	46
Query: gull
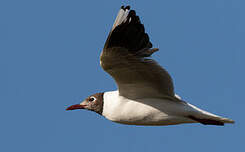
145	94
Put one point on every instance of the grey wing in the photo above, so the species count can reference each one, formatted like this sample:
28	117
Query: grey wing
124	57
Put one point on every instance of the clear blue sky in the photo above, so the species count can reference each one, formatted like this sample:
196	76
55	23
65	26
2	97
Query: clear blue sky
49	59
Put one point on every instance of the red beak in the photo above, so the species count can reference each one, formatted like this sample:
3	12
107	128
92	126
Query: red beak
74	107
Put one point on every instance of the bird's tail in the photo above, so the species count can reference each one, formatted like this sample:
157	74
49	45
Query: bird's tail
207	118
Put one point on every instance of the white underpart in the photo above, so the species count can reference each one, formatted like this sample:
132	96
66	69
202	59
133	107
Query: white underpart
121	17
152	111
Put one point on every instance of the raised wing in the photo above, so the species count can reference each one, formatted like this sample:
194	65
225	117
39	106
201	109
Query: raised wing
124	58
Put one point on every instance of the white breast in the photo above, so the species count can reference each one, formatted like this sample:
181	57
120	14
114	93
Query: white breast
142	112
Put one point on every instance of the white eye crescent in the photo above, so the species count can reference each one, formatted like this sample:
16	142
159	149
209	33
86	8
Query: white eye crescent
92	98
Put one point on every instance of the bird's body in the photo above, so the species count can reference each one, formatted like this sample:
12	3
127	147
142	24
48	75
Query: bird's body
152	111
148	111
145	94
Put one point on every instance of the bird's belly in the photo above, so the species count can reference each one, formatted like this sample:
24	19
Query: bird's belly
143	113
169	120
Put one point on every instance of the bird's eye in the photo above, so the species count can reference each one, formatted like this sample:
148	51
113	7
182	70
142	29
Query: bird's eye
91	99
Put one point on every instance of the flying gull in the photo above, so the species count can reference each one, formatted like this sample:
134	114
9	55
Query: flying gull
145	94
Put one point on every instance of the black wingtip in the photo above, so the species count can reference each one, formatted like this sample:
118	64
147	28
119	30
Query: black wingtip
134	18
130	34
125	8
132	13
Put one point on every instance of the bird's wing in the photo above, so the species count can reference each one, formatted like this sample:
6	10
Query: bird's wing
124	57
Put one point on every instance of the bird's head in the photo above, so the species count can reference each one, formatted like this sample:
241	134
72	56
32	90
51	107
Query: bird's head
93	103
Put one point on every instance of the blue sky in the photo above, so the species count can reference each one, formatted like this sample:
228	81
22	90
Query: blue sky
49	59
